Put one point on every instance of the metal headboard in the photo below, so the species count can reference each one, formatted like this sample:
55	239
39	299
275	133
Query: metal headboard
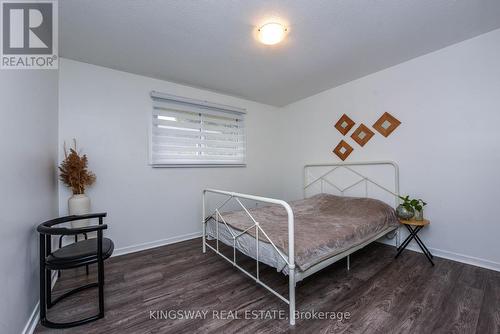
362	178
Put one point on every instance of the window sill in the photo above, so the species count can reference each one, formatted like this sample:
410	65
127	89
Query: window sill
196	165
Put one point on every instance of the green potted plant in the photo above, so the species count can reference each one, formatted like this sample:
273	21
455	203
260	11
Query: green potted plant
411	208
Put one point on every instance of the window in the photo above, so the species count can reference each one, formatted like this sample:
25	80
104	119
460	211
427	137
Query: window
188	132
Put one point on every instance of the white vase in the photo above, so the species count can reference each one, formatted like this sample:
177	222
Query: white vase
79	205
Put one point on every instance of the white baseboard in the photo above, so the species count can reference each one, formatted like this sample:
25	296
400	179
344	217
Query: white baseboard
483	263
35	315
33	320
475	261
156	243
53	279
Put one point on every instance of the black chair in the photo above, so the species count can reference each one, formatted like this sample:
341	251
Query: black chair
76	240
78	254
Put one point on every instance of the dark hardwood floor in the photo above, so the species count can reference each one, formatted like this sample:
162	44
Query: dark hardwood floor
382	295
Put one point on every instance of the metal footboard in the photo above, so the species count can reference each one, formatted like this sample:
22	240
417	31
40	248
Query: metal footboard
290	261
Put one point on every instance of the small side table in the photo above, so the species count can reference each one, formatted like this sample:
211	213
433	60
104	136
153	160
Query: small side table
414	226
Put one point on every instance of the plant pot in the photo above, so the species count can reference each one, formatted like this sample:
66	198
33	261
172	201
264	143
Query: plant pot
404	213
79	205
419	214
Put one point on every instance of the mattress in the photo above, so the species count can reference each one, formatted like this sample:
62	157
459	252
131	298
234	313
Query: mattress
325	225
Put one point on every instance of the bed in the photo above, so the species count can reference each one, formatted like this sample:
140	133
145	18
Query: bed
304	236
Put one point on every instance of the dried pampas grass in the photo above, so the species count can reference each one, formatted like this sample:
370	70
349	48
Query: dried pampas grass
74	171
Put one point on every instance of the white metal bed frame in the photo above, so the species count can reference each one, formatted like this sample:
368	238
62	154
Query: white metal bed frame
293	275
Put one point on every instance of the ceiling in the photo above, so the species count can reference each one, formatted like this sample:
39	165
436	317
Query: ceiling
211	43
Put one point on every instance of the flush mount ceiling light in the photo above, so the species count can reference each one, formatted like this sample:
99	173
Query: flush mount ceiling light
271	33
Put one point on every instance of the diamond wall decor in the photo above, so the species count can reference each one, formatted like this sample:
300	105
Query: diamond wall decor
362	135
344	124
386	124
342	150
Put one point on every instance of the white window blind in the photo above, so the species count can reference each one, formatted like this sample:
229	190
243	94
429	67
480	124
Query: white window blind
191	132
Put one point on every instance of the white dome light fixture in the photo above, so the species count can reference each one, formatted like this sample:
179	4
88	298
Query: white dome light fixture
271	33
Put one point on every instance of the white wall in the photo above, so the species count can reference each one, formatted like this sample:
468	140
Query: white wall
28	146
447	146
108	112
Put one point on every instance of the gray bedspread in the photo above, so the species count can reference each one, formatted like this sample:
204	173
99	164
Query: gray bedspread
325	225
